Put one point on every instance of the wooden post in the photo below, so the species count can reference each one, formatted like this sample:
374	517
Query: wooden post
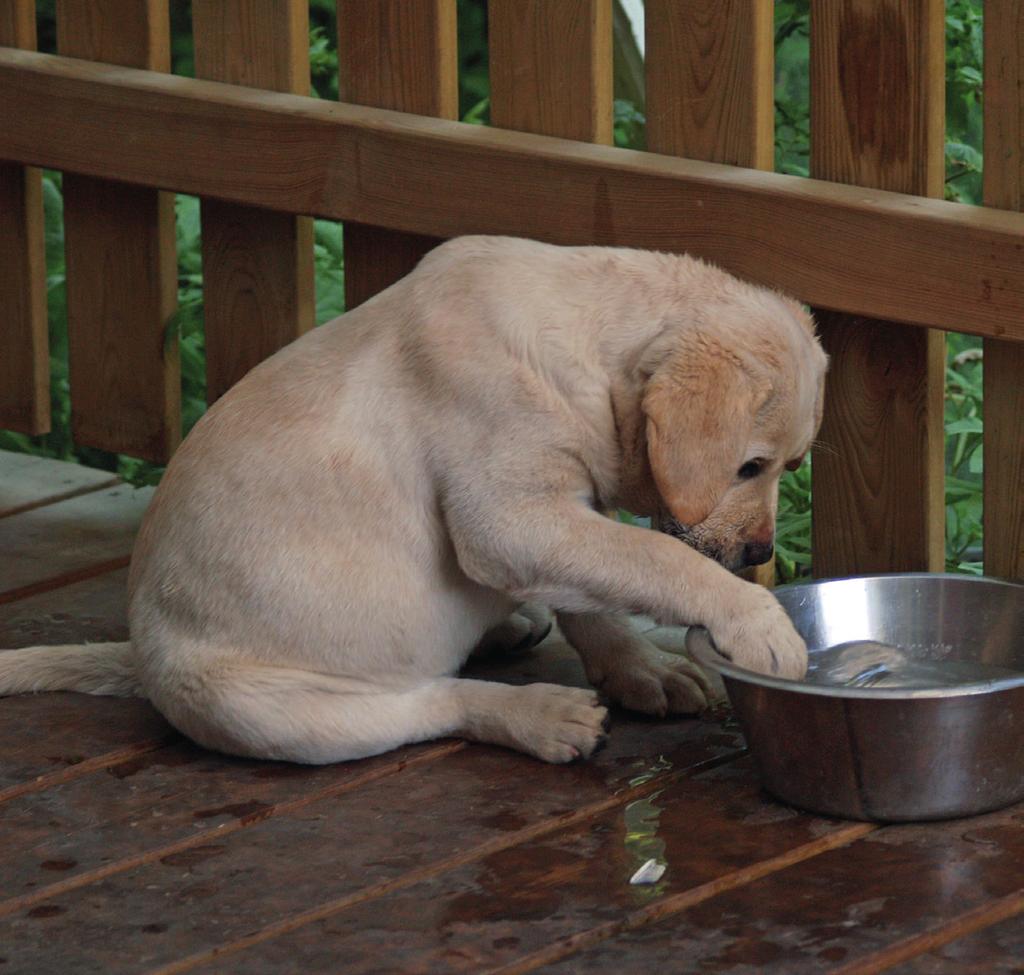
1004	361
24	346
710	81
258	290
401	55
121	265
877	120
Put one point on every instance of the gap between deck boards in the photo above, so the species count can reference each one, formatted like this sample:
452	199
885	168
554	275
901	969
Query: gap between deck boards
970	922
64	496
27	494
64	579
86	766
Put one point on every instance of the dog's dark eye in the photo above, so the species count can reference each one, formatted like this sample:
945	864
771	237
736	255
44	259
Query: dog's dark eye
750	469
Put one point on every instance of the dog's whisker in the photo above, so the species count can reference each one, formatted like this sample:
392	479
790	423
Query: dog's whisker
824	447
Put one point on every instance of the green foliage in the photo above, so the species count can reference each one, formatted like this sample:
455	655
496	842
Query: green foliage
964	49
793	525
792	87
629	125
474	76
323	64
964	456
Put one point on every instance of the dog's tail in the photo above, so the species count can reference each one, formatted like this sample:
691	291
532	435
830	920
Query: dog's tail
92	668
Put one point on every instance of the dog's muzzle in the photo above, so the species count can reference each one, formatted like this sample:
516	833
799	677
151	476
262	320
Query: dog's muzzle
691	536
733	559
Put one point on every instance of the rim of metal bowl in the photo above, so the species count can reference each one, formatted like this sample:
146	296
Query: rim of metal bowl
702	648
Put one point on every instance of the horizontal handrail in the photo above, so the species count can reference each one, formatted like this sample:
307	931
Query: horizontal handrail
866	252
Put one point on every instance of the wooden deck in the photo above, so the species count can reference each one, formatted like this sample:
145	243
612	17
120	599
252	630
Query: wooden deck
126	849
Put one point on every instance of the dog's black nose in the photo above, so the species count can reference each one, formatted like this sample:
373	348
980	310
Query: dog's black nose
757	553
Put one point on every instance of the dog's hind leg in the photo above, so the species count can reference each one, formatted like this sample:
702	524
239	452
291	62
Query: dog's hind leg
524	629
303	716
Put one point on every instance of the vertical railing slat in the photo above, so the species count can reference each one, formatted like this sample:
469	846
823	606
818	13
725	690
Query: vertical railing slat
710	77
1004	361
24	348
401	55
258	290
551	67
121	270
877	118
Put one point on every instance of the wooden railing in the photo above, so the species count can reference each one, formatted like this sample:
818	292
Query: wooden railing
884	261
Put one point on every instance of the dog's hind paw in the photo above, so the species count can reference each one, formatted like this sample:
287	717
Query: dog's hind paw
520	632
554	723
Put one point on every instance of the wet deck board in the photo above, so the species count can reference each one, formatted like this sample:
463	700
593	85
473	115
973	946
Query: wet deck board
68	540
30	482
127	849
997	949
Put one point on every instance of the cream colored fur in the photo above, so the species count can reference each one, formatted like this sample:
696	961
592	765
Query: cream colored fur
349	521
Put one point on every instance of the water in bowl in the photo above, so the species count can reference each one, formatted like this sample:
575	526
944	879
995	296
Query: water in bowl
867	663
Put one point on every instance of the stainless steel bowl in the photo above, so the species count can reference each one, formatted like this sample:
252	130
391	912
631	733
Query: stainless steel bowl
885	753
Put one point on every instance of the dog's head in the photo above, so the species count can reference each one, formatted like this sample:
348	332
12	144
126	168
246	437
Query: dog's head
731	405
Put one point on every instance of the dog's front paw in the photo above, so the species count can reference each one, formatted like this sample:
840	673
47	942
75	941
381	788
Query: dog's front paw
654	682
755	632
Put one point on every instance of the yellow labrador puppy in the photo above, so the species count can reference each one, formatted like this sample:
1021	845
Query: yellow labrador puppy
344	526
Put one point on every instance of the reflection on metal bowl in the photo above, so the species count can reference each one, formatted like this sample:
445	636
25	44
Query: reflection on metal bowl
939	734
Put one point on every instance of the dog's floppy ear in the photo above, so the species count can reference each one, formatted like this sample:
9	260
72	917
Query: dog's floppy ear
699	405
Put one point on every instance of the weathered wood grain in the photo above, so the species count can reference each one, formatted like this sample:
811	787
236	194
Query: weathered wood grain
24	345
93	610
877	478
18	24
551	67
1004	362
59	737
257	265
1004	106
30	482
710	80
1003	510
877	120
121	267
995	948
1000	909
379	65
376	257
374	71
876	69
917	260
92	532
710	77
